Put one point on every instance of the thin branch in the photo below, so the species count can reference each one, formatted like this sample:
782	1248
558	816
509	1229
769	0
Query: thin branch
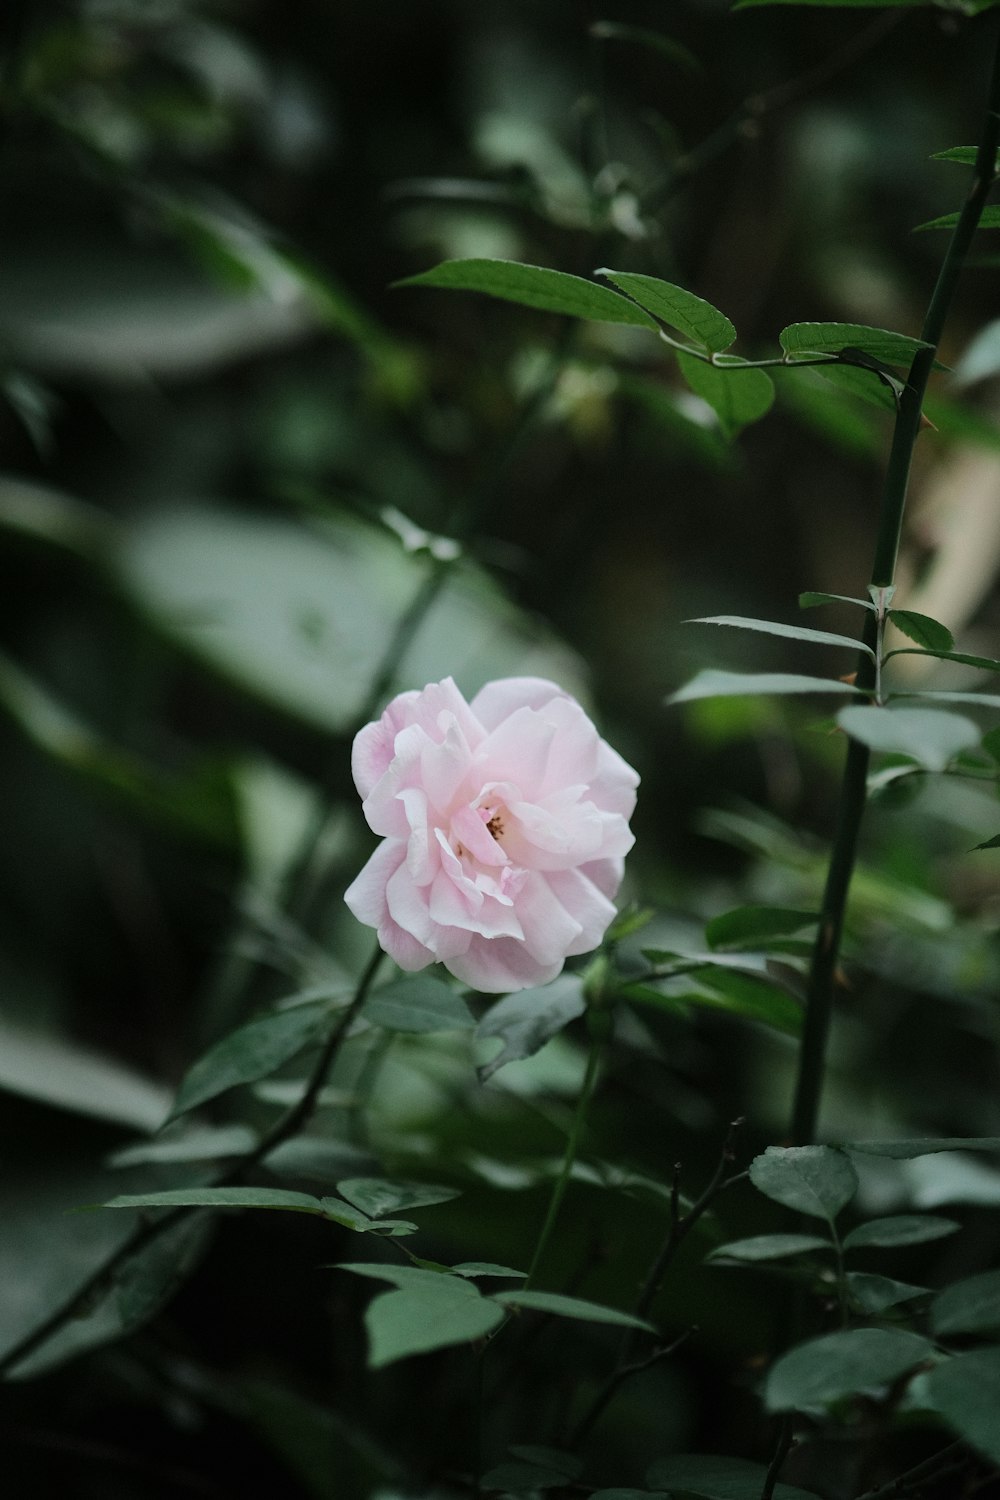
291	1123
618	1377
572	1146
954	1456
785	1440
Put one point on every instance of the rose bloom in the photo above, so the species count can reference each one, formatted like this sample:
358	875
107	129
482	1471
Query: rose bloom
504	825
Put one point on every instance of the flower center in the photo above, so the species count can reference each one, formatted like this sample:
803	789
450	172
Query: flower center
495	826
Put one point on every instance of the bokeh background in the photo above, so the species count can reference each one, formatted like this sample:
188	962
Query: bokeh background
250	488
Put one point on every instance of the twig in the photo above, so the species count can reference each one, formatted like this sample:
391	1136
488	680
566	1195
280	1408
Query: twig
291	1123
940	1463
780	1454
617	1378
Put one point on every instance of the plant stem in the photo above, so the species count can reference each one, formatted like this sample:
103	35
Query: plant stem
572	1145
819	996
290	1124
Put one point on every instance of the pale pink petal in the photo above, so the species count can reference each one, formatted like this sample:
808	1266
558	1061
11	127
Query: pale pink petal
550	931
366	894
606	874
613	787
498	700
498	965
543	840
450	907
443	767
402	948
469	828
588	906
517	750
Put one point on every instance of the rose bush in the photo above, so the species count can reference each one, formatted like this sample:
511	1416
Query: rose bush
504	825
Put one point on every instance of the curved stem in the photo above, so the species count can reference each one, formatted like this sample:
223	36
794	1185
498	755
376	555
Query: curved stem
819	996
572	1146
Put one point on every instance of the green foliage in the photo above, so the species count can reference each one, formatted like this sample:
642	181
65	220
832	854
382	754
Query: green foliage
767	1247
922	629
681	310
802	339
417	1003
857	1361
927	736
251	1052
737	394
814	1180
533	286
525	1021
969	1306
790	632
711	683
718	1478
966	1392
902	1229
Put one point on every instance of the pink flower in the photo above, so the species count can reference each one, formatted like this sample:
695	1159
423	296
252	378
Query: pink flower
504	826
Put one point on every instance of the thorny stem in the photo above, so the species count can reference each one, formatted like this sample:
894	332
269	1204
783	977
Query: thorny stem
819	995
294	1120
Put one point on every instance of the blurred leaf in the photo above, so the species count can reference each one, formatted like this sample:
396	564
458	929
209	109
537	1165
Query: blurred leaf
712	1478
521	1477
51	1068
993	843
906	1150
756	998
981	359
989	219
945	695
855	1361
968	1306
800	339
984	663
925	631
929	737
751	926
814	1180
874	386
901	1229
966	1392
141	1286
737	396
54	518
201	1143
642	36
572	1307
810	600
198	803
764	1247
966	155
533	286
334	1209
250	1053
434	1315
376	1197
874	1294
303	618
485	1268
712	683
417	1003
678	308
792	632
617	1494
525	1021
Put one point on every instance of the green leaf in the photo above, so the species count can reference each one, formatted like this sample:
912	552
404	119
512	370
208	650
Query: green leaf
418	1003
792	632
873	1294
968	1306
928	736
405	1277
764	1247
66	1075
334	1209
752	926
945	695
966	1392
810	599
692	316
993	843
250	1053
928	633
711	683
513	1477
737	396
485	1268
965	155
989	219
814	1180
572	1307
757	998
985	663
855	1361
800	339
981	359
533	286
928	1146
711	1478
202	1143
642	36
899	1230
433	1315
375	1197
525	1021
